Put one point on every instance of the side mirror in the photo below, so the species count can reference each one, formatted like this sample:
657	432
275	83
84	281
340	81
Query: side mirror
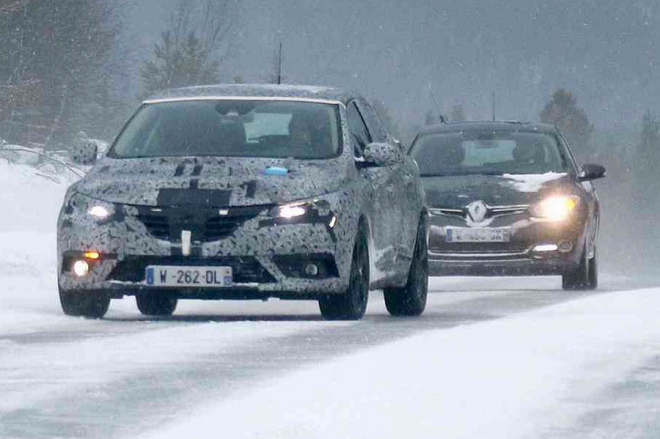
84	153
591	171
382	154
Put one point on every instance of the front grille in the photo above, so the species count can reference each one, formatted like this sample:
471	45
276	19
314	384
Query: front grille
244	269
492	212
221	227
206	224
157	225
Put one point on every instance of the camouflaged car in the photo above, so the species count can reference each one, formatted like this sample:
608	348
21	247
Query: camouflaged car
246	192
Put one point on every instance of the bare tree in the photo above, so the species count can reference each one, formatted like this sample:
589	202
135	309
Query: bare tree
54	59
191	50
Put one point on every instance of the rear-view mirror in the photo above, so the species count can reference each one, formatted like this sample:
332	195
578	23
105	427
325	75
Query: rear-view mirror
592	171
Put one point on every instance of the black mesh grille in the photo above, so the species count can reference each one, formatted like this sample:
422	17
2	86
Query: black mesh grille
206	224
221	227
158	225
244	269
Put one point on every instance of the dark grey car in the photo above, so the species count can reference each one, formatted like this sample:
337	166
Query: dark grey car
247	192
508	199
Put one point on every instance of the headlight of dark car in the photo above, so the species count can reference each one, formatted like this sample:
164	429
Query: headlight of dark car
96	209
556	208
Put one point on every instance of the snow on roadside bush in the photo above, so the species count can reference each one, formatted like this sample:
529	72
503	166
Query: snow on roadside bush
31	196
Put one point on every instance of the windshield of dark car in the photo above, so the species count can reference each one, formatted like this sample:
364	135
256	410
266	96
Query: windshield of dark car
235	128
489	153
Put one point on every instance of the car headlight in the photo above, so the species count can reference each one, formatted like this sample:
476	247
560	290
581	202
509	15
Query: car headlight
97	209
314	210
556	208
292	210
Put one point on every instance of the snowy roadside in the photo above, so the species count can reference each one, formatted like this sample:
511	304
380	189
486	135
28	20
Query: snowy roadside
519	377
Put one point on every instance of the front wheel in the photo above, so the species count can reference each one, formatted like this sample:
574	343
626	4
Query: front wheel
89	304
585	276
156	304
352	304
410	300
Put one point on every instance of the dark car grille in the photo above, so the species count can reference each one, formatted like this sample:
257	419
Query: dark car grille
206	224
244	269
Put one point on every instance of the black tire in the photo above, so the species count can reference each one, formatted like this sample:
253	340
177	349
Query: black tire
584	277
353	303
89	304
593	272
156	304
410	300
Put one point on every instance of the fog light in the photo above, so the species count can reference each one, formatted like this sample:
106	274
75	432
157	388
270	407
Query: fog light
545	248
311	270
81	268
565	246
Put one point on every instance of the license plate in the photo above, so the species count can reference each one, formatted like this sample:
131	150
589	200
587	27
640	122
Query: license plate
462	234
173	276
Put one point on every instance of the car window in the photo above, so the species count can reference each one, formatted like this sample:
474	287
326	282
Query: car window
238	128
468	153
360	136
373	121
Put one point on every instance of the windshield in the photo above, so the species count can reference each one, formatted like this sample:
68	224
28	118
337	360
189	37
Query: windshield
235	128
489	153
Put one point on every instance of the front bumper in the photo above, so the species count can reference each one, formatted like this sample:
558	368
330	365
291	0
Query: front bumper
528	252
267	257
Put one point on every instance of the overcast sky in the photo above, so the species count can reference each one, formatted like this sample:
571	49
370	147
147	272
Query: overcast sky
605	51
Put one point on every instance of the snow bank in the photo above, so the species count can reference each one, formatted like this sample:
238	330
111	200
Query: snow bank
510	378
30	199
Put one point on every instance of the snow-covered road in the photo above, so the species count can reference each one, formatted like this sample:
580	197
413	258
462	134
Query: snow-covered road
496	358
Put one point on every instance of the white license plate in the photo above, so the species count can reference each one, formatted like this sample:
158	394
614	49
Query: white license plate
462	234
173	276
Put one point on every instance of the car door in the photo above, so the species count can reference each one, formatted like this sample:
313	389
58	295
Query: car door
589	191
406	203
381	208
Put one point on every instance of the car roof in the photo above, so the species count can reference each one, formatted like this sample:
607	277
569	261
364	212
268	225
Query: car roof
488	126
303	92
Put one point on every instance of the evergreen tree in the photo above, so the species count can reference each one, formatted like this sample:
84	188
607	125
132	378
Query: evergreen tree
563	112
189	53
649	146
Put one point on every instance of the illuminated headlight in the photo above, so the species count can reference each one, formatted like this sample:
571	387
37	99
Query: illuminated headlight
292	210
98	211
556	208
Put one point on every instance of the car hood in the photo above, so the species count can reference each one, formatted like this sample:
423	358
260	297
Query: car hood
501	190
212	181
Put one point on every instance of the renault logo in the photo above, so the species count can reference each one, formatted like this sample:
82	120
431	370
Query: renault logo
186	237
477	211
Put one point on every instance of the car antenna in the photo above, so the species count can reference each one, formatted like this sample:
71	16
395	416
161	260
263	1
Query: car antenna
493	106
279	66
437	108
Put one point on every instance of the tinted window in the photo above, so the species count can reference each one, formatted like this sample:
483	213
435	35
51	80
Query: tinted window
232	128
489	153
